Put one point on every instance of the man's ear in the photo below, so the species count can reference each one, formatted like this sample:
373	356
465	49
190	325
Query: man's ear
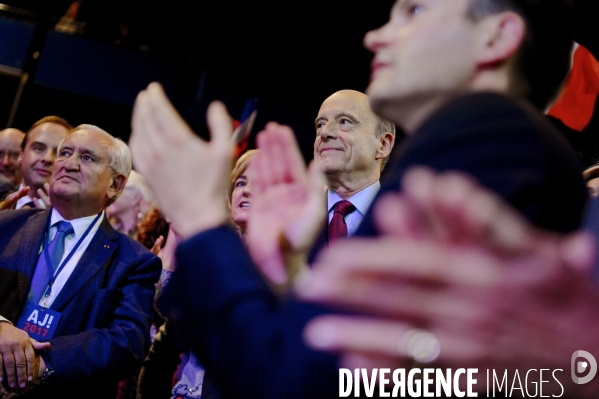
502	36
386	142
117	185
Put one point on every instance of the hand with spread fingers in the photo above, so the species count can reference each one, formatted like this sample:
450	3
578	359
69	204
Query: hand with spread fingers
459	274
187	174
287	206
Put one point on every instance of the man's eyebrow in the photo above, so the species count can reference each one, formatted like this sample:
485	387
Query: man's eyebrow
337	116
319	118
346	115
39	143
90	152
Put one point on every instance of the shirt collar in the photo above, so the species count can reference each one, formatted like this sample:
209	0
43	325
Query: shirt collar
79	225
23	200
360	200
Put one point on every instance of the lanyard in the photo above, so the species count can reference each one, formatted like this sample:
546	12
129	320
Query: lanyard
69	256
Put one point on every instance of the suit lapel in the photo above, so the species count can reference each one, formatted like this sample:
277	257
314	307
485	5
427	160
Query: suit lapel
98	252
29	246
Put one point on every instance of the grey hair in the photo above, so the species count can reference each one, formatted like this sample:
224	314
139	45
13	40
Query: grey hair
137	182
120	156
384	126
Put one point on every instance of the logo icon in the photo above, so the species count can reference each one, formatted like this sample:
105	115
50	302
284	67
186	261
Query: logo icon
582	366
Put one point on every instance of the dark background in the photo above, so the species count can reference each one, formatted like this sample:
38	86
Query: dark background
288	55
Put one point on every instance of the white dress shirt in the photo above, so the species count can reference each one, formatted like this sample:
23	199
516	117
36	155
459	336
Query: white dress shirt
361	201
21	202
79	227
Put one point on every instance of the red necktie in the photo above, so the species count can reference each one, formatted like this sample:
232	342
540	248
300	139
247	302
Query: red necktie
337	226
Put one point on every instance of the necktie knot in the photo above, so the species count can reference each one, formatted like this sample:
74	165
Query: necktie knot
344	208
64	227
337	226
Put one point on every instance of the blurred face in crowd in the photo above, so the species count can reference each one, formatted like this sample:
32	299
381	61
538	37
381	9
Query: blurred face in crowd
37	159
241	198
10	147
427	48
346	143
82	177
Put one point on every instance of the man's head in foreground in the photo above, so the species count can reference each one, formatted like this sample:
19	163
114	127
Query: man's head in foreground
433	50
90	172
352	144
10	147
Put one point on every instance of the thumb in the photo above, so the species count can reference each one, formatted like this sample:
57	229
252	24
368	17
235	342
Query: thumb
40	346
220	125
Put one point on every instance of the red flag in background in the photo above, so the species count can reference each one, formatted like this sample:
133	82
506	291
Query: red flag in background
575	105
243	128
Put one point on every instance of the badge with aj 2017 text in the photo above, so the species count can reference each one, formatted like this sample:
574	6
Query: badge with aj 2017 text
40	323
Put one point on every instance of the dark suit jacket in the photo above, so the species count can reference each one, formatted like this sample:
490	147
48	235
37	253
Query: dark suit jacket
106	304
252	343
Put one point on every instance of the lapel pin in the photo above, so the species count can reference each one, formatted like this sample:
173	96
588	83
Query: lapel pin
106	246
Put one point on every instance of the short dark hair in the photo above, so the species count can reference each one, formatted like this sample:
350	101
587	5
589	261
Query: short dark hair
544	58
46	119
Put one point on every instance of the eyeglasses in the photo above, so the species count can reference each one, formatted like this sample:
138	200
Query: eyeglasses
12	155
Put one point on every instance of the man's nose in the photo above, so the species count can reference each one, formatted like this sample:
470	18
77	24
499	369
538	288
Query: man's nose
327	132
375	39
49	156
72	162
5	160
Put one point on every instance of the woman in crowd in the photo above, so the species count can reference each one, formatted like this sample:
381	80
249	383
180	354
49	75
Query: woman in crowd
168	360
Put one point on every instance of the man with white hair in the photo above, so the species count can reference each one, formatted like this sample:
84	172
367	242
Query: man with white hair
69	279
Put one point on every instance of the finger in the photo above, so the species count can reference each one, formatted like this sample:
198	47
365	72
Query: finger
256	169
364	335
268	157
220	125
303	233
10	368
40	346
476	214
388	339
43	199
164	114
389	297
30	364
397	216
157	245
276	153
578	251
295	167
414	260
21	361
140	133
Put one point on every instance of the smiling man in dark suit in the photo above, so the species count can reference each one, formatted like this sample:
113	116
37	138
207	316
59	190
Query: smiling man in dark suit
67	277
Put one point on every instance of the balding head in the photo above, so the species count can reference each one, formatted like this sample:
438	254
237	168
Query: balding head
352	142
10	147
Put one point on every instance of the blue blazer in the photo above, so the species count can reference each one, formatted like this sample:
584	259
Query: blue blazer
106	304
